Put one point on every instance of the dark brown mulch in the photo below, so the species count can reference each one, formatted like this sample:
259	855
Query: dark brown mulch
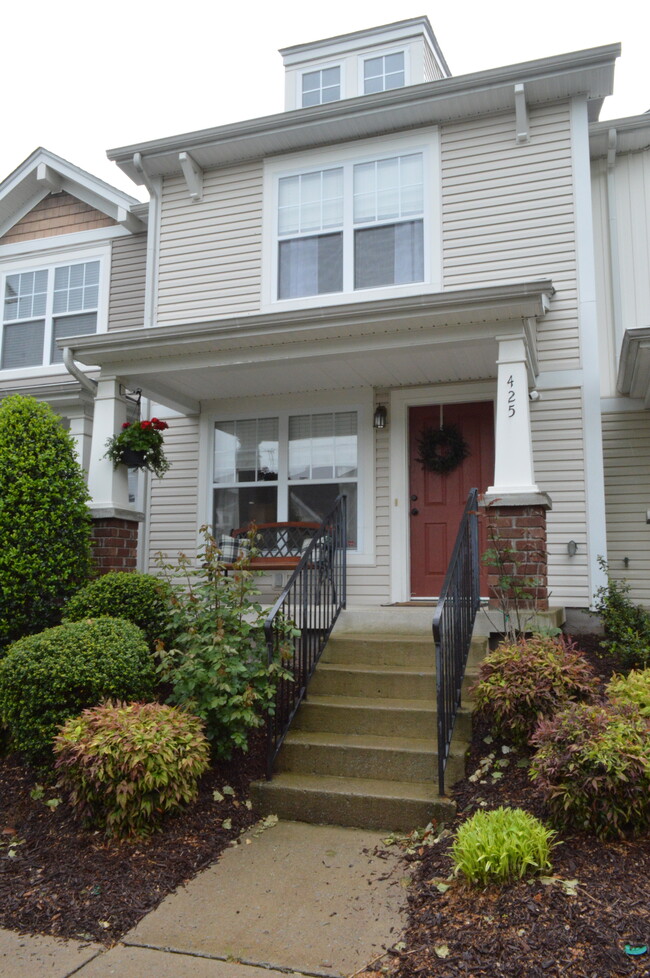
528	929
57	878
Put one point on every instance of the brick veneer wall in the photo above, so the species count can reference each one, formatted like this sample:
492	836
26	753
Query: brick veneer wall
518	534
115	544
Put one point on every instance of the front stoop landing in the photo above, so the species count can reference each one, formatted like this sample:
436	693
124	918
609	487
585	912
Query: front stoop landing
362	749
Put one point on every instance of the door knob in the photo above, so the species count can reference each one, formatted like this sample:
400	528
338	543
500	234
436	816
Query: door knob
414	511
414	498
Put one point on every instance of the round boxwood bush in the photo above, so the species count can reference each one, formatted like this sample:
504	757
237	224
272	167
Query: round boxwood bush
633	689
139	598
523	681
501	845
49	677
593	765
44	520
124	765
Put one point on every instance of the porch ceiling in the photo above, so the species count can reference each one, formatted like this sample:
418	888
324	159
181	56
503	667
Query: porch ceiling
444	337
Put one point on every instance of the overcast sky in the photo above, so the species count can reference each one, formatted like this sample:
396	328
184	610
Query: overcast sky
78	77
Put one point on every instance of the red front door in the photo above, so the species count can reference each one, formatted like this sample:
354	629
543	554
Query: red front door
437	500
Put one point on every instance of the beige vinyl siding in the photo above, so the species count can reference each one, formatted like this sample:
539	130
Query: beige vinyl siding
57	214
508	215
174	499
127	285
210	250
556	421
626	452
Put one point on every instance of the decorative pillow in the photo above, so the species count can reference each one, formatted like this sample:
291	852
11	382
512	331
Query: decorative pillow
321	550
232	548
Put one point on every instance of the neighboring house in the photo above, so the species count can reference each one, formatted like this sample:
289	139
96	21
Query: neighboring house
72	262
397	238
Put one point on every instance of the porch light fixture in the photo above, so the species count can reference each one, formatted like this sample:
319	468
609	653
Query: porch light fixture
381	417
572	548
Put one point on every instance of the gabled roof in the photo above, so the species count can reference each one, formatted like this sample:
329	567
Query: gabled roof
43	173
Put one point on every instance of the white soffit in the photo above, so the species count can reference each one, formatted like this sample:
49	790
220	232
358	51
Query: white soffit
634	366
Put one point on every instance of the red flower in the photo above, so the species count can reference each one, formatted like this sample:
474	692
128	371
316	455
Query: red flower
145	424
159	425
127	424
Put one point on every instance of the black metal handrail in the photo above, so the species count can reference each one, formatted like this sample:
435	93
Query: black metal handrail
311	600
453	624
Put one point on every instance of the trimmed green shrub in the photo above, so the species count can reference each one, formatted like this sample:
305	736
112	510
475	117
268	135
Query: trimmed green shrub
139	598
49	677
593	766
124	765
523	681
627	625
219	667
501	845
44	520
633	689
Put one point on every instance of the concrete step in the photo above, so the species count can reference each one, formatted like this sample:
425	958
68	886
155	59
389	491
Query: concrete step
349	679
368	756
368	803
379	716
380	650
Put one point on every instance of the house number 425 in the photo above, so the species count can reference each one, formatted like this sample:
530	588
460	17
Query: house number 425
512	397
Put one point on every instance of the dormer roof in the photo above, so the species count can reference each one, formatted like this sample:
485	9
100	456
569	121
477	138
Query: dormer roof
43	173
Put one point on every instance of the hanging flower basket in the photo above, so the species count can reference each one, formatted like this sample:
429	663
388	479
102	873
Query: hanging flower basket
140	446
441	449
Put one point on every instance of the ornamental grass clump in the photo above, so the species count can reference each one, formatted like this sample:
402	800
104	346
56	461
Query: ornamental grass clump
139	598
501	846
593	766
125	765
523	681
49	677
633	689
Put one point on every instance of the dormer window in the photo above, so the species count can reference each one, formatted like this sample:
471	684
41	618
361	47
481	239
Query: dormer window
383	73
323	85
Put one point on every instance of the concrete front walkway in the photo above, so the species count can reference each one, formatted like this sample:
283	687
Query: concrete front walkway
308	899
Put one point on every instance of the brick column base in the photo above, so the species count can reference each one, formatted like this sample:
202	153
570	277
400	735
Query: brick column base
516	537
114	544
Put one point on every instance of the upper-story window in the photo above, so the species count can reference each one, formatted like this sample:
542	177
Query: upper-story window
43	305
320	86
349	227
383	72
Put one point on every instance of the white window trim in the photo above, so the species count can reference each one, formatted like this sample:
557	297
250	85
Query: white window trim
425	141
383	53
50	261
361	401
310	69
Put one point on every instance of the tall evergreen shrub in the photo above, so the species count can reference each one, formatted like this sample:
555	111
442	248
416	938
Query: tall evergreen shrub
44	521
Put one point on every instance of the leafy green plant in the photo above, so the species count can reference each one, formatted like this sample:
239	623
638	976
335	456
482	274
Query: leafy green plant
627	625
44	520
49	677
219	666
525	680
142	437
139	598
593	765
501	845
633	689
124	765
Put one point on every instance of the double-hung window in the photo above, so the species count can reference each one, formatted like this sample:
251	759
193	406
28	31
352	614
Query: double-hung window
383	72
321	86
356	226
43	305
285	467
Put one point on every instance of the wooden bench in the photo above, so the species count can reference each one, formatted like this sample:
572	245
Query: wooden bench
279	545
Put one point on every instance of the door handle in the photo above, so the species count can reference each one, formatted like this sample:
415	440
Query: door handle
414	511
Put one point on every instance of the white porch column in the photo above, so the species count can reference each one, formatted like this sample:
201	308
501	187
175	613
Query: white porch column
513	461
81	429
108	487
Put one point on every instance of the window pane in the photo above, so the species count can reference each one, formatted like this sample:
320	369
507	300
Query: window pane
313	503
22	345
388	255
65	326
323	446
310	266
331	76
310	82
372	67
246	451
394	62
238	507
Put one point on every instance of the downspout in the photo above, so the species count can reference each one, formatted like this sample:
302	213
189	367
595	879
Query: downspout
614	257
87	383
154	187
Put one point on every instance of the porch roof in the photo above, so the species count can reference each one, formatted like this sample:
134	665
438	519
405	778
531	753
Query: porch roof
442	337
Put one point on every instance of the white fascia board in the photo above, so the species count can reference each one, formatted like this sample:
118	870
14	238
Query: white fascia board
548	79
633	134
61	242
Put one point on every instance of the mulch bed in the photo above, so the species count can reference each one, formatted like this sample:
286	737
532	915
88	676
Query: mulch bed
60	879
528	929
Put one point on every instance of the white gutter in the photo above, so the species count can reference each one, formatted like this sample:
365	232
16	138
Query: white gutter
154	186
87	383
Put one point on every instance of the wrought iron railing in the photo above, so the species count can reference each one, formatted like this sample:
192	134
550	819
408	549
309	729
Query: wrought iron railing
311	601
453	624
